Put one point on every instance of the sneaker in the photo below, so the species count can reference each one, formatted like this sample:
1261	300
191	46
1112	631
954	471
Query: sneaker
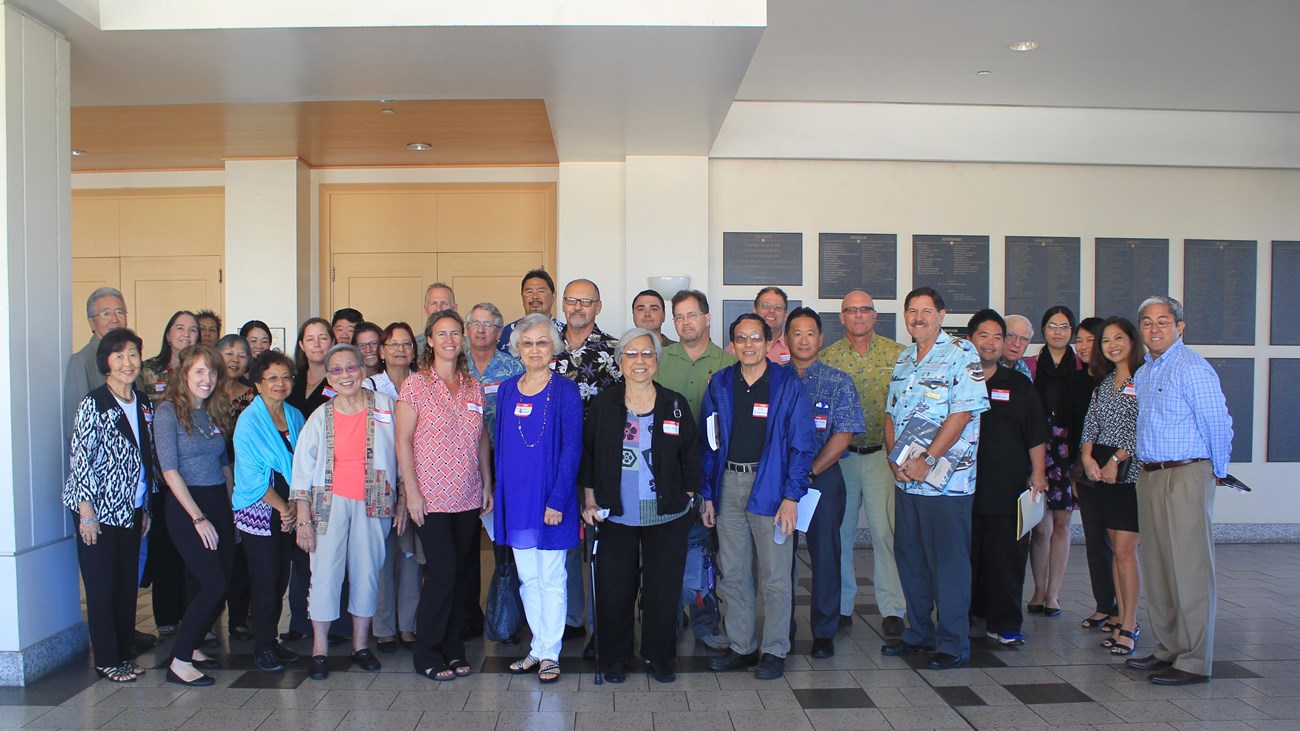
267	662
770	667
1006	638
284	654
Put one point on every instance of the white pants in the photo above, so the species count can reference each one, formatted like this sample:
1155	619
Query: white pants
542	577
353	543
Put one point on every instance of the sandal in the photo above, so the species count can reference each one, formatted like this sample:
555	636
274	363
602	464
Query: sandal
116	674
460	668
550	671
1111	642
441	675
1111	624
524	665
1118	648
1094	622
132	668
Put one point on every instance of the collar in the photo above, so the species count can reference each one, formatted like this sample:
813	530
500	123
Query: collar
1173	350
597	335
943	339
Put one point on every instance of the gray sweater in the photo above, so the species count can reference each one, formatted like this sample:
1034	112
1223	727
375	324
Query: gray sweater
197	457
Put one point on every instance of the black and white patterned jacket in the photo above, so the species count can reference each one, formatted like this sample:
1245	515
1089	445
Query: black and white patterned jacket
105	463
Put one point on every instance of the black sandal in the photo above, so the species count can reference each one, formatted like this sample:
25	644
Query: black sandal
1111	642
1121	649
440	674
1095	622
460	668
117	674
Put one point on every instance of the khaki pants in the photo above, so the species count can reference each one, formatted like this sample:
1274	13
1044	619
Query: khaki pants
742	536
1176	511
869	483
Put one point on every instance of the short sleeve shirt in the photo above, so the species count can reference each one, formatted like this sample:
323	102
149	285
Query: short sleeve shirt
1013	425
592	365
834	400
948	380
870	373
500	368
691	377
446	440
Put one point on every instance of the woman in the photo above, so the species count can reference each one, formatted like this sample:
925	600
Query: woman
648	502
310	387
111	473
440	419
538	448
192	454
258	335
1110	460
181	332
1054	371
344	470
399	578
236	355
264	441
367	337
1100	558
234	352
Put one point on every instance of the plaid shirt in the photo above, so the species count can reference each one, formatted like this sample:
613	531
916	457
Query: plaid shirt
1182	413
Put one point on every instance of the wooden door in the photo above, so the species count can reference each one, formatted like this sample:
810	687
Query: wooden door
88	275
488	278
157	286
384	287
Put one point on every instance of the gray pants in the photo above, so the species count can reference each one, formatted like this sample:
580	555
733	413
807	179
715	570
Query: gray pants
742	536
353	545
399	590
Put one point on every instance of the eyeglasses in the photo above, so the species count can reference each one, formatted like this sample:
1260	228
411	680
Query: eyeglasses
859	310
770	307
105	314
278	379
403	344
742	339
350	369
584	301
1017	338
1162	322
482	324
540	343
646	354
687	316
372	345
1058	326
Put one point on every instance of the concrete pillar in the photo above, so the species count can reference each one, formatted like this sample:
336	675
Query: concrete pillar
590	228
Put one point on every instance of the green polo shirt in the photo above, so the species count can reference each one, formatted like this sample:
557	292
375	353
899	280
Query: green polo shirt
689	378
870	372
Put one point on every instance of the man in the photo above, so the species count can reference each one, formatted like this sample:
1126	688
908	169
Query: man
757	452
1184	441
209	327
836	418
344	322
771	304
1013	450
438	297
1019	332
537	291
648	312
686	368
868	358
940	378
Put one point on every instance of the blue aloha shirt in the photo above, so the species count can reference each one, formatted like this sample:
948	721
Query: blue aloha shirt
834	398
949	380
500	368
593	365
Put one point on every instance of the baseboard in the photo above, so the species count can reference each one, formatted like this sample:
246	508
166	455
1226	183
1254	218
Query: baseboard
26	666
1223	533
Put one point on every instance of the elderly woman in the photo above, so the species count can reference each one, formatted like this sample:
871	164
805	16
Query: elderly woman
236	356
111	473
258	335
264	441
399	578
648	496
1109	456
367	337
344	475
442	443
538	446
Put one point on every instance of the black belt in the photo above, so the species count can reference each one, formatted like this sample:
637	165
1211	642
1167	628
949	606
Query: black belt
865	450
1157	466
742	466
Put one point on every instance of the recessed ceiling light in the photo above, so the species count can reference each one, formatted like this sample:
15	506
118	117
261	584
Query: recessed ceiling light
419	146
1023	45
984	73
383	101
78	153
386	110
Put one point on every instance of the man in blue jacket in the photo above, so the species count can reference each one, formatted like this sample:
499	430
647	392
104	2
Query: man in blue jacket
757	432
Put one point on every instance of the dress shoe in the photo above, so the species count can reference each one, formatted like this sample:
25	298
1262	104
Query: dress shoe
284	654
823	647
571	631
144	640
267	662
846	620
240	633
387	646
899	648
1034	608
1150	662
207	664
892	626
366	660
662	672
589	651
1174	676
320	667
199	682
770	667
733	661
617	672
292	635
1051	611
944	661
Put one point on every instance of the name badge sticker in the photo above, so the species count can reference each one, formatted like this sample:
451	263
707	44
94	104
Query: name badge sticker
1000	394
1130	390
490	388
474	407
148	417
522	410
383	417
328	392
672	428
933	395
785	358
760	410
821	422
160	386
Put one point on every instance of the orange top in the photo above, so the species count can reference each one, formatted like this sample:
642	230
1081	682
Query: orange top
349	455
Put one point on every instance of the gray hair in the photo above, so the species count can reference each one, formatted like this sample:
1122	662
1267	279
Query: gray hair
492	310
633	334
1019	319
348	348
440	285
529	322
234	339
100	293
1174	306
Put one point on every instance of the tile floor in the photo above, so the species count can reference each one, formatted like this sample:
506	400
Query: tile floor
1059	679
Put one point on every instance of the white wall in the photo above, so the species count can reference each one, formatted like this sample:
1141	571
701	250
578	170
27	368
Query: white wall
267	239
909	198
667	223
591	210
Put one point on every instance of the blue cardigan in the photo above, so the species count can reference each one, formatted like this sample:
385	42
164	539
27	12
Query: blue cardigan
788	448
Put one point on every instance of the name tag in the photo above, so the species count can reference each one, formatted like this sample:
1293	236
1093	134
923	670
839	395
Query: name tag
216	429
490	388
160	386
821	422
475	408
1130	390
672	428
933	395
760	410
329	393
383	417
785	357
523	409
148	417
1000	394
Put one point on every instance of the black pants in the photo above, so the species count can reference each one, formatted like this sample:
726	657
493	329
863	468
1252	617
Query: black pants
824	555
1097	545
471	587
299	585
998	570
164	568
450	543
211	569
652	558
237	598
268	577
108	570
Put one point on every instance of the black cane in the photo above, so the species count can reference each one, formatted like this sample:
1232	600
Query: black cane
595	633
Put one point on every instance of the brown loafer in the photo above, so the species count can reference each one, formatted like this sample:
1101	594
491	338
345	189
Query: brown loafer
1150	662
1174	676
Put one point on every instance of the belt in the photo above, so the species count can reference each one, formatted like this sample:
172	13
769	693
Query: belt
1157	466
742	466
865	450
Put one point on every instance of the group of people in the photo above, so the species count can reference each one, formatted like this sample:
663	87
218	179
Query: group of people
355	476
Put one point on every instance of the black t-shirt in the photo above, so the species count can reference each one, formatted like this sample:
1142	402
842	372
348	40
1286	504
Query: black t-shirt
748	432
307	403
1008	430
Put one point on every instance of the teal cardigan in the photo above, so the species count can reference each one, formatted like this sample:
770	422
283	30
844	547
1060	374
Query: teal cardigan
259	450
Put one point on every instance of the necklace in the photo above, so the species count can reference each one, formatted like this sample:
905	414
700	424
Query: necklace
546	410
204	426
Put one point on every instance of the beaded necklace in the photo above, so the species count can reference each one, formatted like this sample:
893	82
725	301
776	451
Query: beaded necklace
546	410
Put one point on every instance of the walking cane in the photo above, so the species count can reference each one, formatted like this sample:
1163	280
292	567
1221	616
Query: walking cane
594	529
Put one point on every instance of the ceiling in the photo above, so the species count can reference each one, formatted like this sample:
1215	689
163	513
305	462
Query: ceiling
610	92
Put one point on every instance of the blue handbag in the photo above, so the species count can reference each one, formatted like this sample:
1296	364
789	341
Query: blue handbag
505	610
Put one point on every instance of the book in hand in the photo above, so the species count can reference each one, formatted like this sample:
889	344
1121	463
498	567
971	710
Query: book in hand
1030	508
917	435
1235	484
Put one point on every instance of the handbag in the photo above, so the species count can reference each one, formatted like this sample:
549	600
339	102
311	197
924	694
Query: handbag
504	615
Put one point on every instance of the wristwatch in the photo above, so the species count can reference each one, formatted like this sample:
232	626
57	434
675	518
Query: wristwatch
930	459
